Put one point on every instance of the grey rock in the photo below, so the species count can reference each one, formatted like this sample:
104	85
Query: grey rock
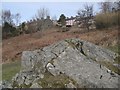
5	84
78	59
70	85
52	69
41	76
36	85
24	78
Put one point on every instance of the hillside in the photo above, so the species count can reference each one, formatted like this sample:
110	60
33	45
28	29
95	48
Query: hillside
13	47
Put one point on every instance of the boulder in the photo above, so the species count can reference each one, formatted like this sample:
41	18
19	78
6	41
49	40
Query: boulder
80	60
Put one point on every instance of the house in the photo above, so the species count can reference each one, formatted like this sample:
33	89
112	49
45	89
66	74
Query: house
70	21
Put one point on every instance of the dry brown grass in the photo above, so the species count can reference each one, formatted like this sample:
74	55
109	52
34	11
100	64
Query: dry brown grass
105	20
13	47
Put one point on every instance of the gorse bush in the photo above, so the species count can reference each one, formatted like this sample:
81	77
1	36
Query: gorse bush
105	20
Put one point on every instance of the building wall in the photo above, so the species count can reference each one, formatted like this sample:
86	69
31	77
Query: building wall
70	22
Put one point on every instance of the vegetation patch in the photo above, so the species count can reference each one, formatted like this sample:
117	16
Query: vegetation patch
105	20
10	69
110	66
115	48
117	60
50	81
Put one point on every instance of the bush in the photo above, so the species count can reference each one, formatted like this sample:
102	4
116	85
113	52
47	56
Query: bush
9	30
105	20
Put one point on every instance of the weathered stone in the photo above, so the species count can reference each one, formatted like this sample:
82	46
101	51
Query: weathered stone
52	69
41	76
78	59
5	84
36	85
70	85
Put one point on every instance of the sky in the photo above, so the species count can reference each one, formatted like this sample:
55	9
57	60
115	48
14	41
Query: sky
28	10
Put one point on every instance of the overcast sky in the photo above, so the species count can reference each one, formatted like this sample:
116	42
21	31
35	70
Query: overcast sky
28	9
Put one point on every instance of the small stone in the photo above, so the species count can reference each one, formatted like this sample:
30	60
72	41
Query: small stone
70	85
35	85
52	69
41	76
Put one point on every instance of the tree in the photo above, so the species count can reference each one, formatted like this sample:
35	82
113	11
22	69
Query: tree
62	19
106	6
116	6
86	14
42	13
7	17
8	28
17	18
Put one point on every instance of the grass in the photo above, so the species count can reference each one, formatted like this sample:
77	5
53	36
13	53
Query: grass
115	48
105	20
117	60
110	66
10	69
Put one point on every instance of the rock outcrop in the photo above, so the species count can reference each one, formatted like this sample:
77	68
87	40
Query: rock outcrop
81	63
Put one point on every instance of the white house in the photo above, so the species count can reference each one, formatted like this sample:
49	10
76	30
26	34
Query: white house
70	21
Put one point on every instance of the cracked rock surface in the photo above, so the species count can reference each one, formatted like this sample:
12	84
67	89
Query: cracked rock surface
81	61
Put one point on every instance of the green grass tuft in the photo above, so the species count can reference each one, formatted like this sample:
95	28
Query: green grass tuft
10	69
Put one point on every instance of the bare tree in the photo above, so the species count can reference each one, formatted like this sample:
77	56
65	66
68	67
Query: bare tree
106	6
86	14
7	17
116	6
42	13
17	18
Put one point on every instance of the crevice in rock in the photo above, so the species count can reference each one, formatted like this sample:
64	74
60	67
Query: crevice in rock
78	45
54	54
81	47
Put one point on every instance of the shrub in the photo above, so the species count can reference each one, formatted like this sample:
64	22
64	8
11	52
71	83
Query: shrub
105	20
9	30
